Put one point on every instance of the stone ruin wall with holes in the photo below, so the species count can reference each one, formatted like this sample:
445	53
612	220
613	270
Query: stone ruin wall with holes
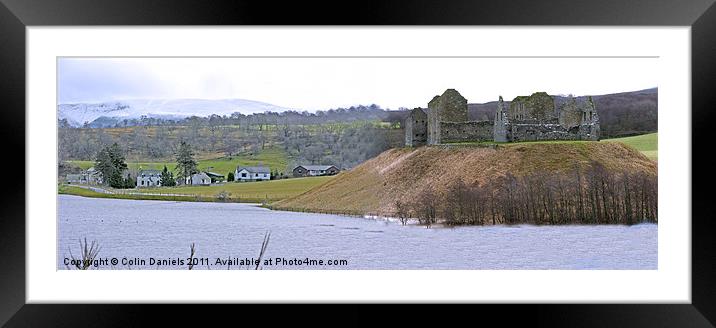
416	128
535	118
527	118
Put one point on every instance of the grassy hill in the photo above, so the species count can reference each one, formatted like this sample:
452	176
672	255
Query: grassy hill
402	174
647	144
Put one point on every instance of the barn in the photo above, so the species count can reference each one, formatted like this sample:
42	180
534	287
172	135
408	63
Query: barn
314	170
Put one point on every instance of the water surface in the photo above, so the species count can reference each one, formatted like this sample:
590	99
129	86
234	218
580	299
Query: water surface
138	229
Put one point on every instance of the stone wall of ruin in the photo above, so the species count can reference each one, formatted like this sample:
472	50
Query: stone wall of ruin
527	118
589	131
466	131
537	132
538	107
448	107
433	121
453	107
416	128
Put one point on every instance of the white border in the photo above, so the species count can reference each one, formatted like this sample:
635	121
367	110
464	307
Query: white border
670	283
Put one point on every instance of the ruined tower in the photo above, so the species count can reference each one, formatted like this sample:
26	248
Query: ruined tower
416	128
451	106
589	127
502	123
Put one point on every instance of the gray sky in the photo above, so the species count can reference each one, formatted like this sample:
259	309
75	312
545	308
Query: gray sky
323	83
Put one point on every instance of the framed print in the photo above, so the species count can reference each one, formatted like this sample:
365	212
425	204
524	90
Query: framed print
445	155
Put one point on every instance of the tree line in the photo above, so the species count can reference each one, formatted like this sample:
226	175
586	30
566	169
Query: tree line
344	146
595	195
341	144
336	115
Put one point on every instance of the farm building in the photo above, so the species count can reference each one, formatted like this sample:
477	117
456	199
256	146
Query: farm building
252	173
149	178
314	170
215	177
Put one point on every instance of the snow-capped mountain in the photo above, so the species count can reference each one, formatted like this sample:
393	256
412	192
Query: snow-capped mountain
77	114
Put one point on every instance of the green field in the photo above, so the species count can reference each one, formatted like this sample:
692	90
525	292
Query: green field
251	192
274	158
647	144
260	190
77	191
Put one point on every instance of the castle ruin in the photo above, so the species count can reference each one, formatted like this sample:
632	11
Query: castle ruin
535	117
444	121
528	118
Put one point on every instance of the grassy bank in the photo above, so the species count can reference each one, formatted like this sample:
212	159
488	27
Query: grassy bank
77	191
247	192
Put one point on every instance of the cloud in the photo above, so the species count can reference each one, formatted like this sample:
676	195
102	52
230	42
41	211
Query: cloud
323	83
96	80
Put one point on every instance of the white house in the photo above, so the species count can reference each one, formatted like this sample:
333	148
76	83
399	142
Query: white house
91	177
252	173
199	179
149	178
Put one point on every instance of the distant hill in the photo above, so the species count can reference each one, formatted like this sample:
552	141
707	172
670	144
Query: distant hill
107	114
620	114
404	173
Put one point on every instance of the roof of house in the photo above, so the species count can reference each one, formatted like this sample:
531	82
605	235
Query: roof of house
255	169
94	172
200	175
149	172
316	167
212	174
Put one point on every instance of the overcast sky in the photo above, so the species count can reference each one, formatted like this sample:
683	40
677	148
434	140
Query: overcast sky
324	83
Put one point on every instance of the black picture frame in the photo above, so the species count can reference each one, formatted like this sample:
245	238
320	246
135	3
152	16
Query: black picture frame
700	15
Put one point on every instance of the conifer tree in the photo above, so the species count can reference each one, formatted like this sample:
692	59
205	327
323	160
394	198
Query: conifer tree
167	178
186	165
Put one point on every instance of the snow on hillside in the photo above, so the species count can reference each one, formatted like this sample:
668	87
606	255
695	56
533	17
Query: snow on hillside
77	114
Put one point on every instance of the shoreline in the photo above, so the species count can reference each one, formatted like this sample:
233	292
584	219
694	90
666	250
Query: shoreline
410	222
90	192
